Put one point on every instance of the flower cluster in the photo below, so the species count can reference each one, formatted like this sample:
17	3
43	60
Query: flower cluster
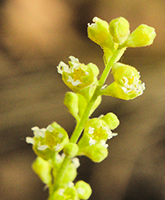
118	32
57	160
126	83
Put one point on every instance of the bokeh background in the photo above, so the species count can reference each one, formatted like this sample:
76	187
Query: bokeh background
35	35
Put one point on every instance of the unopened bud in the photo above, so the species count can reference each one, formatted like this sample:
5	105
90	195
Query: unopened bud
143	35
97	153
111	119
71	102
83	189
98	32
119	29
43	169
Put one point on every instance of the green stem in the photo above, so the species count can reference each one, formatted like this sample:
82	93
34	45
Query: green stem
108	67
80	126
61	172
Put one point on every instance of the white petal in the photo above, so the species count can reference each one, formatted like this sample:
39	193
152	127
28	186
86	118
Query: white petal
76	162
73	59
61	192
74	83
81	190
50	128
91	130
30	140
91	141
62	67
42	147
60	135
58	146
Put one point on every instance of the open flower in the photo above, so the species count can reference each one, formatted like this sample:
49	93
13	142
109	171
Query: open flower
127	84
98	132
47	141
77	75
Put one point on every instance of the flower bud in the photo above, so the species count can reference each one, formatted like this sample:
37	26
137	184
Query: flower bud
98	32
56	137
119	29
111	119
71	102
78	76
70	150
84	190
96	152
143	35
43	169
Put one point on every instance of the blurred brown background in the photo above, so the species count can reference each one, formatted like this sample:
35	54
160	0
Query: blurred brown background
35	36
